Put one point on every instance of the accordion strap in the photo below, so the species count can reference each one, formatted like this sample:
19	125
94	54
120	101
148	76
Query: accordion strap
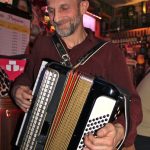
61	51
90	53
65	57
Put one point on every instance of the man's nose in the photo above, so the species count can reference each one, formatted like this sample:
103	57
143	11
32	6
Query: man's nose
57	16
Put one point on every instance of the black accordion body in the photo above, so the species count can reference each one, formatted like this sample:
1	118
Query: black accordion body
66	106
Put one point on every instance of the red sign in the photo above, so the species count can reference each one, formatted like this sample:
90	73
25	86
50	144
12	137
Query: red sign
13	67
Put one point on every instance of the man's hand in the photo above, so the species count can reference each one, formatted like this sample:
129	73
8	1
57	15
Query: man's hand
23	97
107	138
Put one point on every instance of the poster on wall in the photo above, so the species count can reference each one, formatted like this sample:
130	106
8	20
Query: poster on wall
14	31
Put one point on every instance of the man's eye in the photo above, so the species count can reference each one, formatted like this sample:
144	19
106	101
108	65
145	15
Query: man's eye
65	8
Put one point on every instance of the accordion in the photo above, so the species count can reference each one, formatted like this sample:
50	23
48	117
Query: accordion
66	106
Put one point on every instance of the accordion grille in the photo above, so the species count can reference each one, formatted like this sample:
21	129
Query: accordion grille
66	119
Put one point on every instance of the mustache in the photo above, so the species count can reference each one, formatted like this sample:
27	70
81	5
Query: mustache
60	22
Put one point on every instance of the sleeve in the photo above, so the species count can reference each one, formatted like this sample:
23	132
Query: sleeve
118	73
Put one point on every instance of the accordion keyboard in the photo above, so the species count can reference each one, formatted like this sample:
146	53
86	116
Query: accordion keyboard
43	99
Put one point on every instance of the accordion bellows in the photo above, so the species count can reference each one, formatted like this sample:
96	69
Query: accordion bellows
66	106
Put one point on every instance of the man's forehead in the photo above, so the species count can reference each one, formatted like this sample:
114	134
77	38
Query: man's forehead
59	2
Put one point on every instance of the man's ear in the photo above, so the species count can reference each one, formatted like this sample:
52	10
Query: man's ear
84	6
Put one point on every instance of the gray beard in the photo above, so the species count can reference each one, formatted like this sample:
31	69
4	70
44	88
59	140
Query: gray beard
71	29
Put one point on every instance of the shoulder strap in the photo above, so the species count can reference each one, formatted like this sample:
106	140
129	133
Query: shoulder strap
65	57
90	53
61	51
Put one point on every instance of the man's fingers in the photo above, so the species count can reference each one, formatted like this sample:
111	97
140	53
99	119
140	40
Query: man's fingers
23	97
23	103
107	129
85	148
26	96
95	144
102	141
24	109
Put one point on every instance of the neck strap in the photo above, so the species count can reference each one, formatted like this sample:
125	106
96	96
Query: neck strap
65	57
90	53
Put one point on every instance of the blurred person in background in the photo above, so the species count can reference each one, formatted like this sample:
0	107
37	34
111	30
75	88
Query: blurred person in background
142	141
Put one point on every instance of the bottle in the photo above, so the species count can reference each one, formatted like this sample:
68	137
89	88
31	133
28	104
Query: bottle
140	68
144	46
144	20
